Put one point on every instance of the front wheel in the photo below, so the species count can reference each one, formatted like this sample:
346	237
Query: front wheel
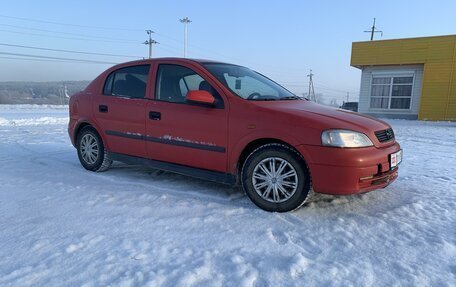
276	178
91	151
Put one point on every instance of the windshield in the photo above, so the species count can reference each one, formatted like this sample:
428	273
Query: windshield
249	84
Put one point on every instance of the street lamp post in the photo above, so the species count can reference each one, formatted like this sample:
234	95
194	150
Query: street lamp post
185	21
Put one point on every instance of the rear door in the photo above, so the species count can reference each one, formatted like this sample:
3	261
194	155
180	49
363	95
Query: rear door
184	133
120	110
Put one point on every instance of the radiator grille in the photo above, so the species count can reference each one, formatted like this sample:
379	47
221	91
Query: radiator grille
385	135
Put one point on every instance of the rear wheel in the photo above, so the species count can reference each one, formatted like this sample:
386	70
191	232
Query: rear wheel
91	151
276	178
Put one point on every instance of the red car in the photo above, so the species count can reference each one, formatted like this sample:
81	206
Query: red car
229	124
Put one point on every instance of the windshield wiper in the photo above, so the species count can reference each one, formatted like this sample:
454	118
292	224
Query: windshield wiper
290	98
264	99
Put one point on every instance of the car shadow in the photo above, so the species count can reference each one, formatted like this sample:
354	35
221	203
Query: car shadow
180	184
228	195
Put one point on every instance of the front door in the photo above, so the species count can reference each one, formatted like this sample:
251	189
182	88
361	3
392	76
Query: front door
184	133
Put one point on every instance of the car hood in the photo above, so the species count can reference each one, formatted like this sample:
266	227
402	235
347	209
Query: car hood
325	117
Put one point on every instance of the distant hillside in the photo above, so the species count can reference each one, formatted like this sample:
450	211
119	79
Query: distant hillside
39	92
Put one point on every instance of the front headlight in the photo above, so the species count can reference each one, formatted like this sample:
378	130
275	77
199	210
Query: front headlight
344	138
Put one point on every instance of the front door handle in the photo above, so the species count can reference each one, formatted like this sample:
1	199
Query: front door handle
155	116
103	108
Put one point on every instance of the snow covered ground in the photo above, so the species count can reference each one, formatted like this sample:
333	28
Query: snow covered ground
134	226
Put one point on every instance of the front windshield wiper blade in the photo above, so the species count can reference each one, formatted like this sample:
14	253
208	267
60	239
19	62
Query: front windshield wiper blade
265	99
290	98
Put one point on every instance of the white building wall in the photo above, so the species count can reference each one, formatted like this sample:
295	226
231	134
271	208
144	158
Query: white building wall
365	90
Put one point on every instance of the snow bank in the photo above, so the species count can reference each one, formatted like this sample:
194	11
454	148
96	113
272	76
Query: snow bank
33	107
33	115
34	122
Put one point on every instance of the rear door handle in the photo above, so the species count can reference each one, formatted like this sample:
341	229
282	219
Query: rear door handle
155	116
103	108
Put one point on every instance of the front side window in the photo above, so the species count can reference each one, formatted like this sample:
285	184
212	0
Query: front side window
128	82
248	84
174	82
391	92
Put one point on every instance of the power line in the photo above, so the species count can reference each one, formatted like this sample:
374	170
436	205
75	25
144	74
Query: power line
68	24
67	33
68	38
292	83
111	40
303	84
325	93
204	52
69	51
171	48
97	39
55	58
331	89
88	39
47	60
306	84
329	86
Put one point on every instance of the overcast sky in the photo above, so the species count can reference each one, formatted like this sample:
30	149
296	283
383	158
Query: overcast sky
281	39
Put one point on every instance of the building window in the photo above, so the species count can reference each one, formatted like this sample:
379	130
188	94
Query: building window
391	92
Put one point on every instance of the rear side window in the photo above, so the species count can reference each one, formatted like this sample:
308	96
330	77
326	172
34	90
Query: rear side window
128	82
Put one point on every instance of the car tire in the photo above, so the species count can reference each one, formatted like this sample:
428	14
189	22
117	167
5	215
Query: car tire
91	151
276	178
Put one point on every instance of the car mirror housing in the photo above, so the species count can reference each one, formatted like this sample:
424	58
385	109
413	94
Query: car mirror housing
200	97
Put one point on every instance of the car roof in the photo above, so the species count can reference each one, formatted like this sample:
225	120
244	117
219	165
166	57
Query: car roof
200	61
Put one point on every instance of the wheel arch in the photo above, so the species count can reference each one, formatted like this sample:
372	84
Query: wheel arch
254	144
84	123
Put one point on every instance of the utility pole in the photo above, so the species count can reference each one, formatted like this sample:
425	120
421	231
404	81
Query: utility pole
185	21
348	97
373	30
311	93
150	42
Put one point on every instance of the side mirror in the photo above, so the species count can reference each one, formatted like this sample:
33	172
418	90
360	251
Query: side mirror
200	97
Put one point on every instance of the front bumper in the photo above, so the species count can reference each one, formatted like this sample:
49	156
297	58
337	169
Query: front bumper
347	171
